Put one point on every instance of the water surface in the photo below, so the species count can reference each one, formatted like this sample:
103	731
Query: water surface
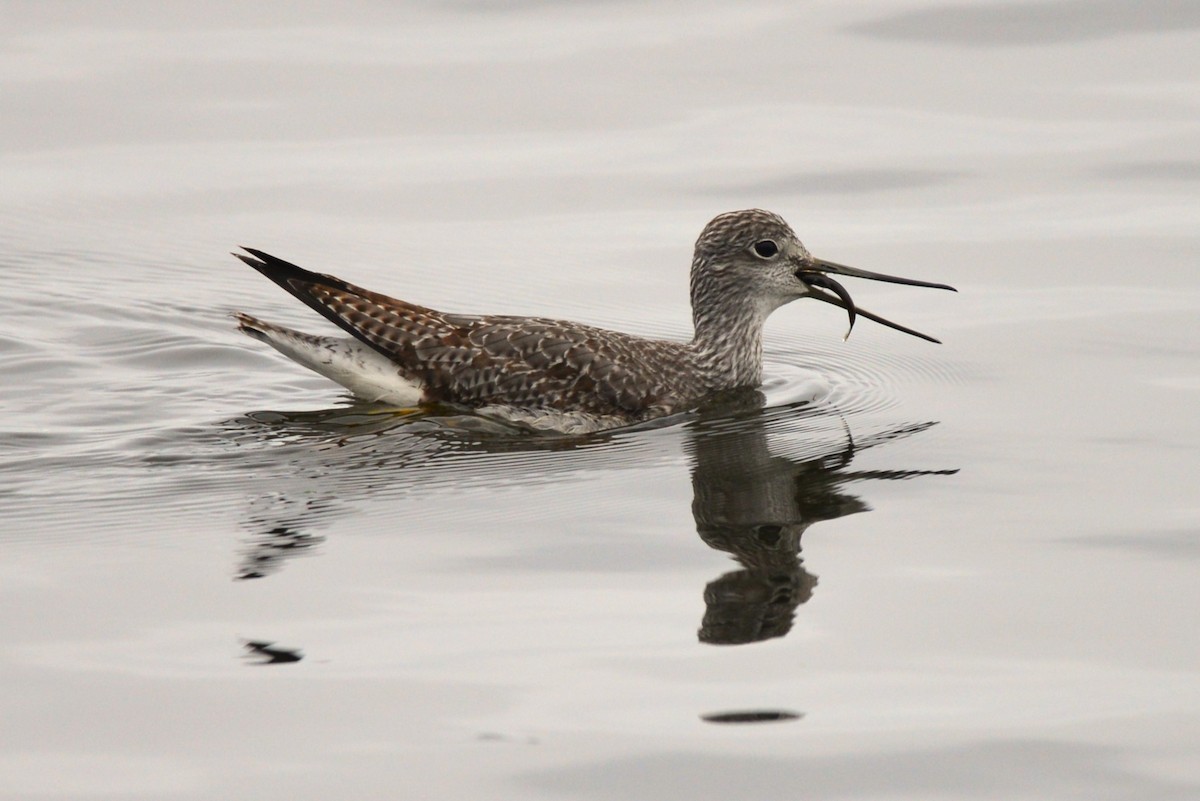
957	571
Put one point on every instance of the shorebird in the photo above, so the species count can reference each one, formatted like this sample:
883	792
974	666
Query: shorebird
561	375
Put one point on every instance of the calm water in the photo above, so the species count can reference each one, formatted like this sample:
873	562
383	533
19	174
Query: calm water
222	579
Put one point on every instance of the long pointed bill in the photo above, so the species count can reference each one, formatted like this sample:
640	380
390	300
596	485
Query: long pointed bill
817	294
818	276
822	266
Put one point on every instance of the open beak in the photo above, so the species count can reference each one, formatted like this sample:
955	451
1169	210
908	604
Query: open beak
817	277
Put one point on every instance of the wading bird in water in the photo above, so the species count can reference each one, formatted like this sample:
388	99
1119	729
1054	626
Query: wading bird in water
560	375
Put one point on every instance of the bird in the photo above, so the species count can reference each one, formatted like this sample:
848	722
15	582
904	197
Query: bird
558	375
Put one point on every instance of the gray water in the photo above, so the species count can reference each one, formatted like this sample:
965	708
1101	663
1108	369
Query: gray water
967	571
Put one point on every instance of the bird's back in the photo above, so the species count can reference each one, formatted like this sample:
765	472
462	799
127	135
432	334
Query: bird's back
524	362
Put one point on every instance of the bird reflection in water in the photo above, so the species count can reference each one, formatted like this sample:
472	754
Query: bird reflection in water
760	478
277	524
756	505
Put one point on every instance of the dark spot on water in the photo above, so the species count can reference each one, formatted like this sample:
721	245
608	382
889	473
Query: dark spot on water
752	716
267	653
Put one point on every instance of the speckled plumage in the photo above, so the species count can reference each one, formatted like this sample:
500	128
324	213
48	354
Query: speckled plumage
560	374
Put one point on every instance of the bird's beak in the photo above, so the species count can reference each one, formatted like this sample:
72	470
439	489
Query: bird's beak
817	274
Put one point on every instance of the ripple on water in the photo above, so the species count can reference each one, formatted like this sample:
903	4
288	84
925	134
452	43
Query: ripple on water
351	452
859	379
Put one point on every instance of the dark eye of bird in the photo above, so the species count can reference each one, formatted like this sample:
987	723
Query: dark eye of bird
765	248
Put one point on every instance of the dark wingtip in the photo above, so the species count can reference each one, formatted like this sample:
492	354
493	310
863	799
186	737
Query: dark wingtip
255	263
259	254
278	270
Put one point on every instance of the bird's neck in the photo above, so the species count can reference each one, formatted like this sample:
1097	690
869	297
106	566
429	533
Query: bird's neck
728	336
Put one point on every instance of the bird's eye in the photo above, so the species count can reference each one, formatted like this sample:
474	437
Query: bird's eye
765	249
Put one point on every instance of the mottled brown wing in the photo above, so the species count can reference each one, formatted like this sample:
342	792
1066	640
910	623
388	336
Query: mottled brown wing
538	362
477	360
